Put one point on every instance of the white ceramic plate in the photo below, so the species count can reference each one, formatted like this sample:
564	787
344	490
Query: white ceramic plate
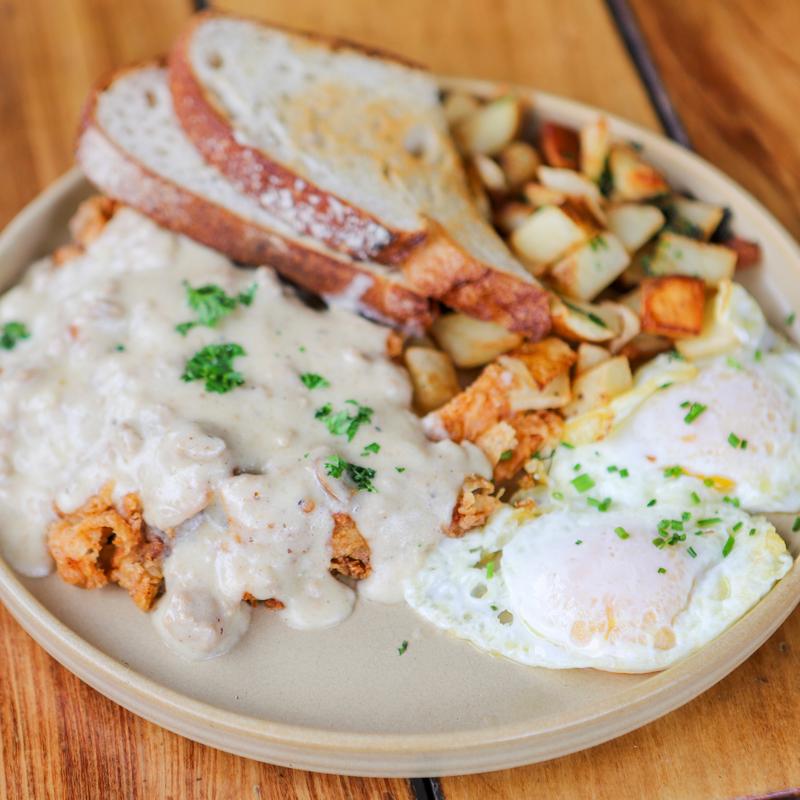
342	700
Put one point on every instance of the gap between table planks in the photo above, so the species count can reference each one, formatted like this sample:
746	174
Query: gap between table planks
59	737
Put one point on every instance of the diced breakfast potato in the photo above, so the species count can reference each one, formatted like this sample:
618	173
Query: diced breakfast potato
645	346
590	355
519	161
673	305
489	129
699	219
634	224
629	322
583	322
748	253
544	360
550	232
458	106
680	255
560	146
632	177
633	300
572	184
538	195
595	144
471	342
511	215
599	385
433	377
586	271
719	332
492	177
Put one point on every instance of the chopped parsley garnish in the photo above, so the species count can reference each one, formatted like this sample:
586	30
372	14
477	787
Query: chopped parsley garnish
490	570
313	381
302	348
790	318
583	482
692	552
728	546
735	441
651	503
403	647
673	472
372	447
598	243
695	498
344	423
796	525
214	365
661	571
600	505
506	455
622	533
695	410
732	362
362	477
400	469
13	332
212	303
686	516
709	521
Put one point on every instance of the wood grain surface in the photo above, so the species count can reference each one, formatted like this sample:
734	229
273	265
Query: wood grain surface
58	737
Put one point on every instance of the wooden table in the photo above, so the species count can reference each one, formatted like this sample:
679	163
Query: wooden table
732	71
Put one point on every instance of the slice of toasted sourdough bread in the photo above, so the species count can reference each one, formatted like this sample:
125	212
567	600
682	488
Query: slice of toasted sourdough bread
351	147
133	149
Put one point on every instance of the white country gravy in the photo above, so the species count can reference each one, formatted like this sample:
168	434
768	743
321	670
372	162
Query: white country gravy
95	395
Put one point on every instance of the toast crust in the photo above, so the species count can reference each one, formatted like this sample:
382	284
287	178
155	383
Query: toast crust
127	180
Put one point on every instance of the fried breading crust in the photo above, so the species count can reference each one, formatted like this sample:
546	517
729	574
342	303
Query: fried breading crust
533	432
98	544
351	553
474	506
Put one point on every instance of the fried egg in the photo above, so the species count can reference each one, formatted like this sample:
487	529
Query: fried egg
622	590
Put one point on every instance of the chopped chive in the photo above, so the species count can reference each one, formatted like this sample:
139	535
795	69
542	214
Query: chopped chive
403	647
694	412
734	440
568	445
733	501
582	483
651	503
728	546
796	525
752	531
576	468
665	385
673	472
737	526
490	570
579	541
732	362
558	496
623	473
790	318
757	355
659	543
600	505
686	516
622	533
506	455
708	522
661	571
400	469
708	482
685	404
692	552
695	498
612	468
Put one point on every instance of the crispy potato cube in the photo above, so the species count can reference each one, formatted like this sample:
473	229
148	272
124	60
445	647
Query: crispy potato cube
748	253
532	377
560	146
680	255
458	106
634	224
587	270
433	377
583	322
673	305
538	195
595	144
492	176
573	184
632	177
474	505
644	347
519	161
699	218
472	342
630	324
489	129
533	431
599	385
590	355
511	215
719	333
550	232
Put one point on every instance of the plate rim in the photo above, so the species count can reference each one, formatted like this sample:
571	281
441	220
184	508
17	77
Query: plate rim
417	755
